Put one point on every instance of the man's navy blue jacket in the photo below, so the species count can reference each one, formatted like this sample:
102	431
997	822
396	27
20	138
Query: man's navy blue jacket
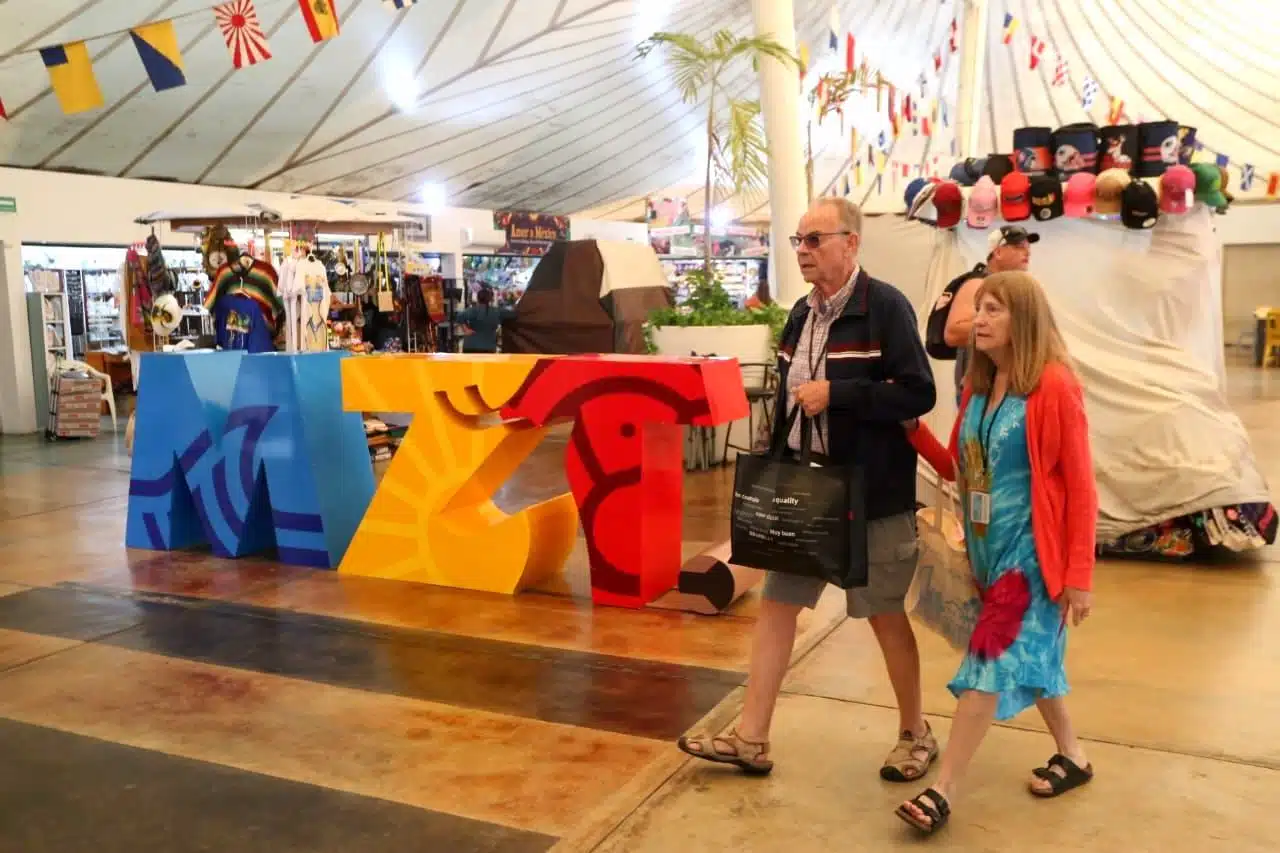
880	377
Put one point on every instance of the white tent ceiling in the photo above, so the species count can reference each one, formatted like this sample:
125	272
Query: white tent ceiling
541	105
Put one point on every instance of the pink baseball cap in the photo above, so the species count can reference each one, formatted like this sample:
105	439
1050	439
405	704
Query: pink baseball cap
984	203
1177	189
1080	193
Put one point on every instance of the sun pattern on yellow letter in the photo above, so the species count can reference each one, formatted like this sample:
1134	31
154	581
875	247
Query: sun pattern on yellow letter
432	519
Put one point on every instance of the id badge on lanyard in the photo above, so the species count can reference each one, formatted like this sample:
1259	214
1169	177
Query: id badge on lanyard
980	507
980	498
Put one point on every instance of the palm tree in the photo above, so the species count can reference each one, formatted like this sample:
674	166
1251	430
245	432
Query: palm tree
737	155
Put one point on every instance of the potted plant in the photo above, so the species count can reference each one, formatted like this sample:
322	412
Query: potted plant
737	156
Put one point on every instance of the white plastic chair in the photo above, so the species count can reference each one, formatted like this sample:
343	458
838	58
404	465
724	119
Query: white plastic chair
108	396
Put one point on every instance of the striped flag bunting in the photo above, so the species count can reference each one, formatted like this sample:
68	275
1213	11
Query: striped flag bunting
242	31
71	77
157	46
321	17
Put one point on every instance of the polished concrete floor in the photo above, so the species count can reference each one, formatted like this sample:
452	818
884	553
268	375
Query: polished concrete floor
175	702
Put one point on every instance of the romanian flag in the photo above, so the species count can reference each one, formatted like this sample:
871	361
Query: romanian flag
157	46
321	18
71	77
1010	27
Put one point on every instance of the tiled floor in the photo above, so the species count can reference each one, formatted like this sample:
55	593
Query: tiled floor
174	702
413	717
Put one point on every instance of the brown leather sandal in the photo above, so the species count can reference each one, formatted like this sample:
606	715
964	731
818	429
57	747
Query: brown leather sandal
911	758
749	756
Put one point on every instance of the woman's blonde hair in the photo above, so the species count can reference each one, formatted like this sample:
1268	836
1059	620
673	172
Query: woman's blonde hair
1033	334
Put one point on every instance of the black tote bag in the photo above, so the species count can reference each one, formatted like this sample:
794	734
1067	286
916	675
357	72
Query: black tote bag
796	519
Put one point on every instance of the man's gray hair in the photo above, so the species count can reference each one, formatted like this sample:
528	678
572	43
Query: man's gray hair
850	213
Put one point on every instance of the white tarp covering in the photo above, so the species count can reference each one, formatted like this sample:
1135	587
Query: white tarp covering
1142	316
628	265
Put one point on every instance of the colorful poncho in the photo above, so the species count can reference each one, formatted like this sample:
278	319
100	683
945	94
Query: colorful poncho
258	282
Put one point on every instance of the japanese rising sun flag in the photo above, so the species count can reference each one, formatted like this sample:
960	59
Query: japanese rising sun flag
242	32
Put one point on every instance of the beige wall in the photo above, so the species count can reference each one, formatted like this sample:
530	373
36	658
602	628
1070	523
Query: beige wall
1250	278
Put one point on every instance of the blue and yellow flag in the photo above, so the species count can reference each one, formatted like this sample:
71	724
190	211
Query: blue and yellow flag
71	77
157	46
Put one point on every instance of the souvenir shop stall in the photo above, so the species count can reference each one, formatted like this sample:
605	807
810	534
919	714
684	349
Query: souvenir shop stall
1122	221
523	238
740	253
83	318
314	280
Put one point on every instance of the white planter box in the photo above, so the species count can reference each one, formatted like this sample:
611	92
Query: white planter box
748	344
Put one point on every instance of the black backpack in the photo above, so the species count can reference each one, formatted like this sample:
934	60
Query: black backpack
935	342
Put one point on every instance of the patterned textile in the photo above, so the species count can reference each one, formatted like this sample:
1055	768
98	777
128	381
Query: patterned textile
256	280
809	362
1018	646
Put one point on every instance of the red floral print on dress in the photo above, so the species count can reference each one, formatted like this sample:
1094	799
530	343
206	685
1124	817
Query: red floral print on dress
1004	605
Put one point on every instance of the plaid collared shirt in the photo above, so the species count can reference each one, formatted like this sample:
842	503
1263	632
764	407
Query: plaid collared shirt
809	362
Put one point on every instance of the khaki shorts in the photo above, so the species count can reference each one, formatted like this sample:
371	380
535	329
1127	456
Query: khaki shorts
891	557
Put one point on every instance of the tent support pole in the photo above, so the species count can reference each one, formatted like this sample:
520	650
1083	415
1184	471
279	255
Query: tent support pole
780	104
973	57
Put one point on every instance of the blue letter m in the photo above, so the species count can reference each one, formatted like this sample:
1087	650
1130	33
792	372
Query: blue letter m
248	454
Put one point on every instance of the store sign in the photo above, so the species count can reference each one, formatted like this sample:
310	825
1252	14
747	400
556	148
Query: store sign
8	204
530	233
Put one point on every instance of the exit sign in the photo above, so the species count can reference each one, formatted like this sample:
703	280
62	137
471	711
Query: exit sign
8	204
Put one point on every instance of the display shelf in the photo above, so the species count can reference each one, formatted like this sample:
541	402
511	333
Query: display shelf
740	277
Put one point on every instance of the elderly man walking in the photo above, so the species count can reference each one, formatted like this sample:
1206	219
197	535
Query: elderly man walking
850	351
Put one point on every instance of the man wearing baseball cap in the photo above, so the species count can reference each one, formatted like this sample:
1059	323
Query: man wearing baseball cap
951	320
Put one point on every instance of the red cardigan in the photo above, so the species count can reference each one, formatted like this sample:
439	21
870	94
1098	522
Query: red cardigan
1064	497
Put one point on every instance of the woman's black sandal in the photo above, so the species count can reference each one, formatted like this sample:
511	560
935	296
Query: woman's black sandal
1071	777
934	806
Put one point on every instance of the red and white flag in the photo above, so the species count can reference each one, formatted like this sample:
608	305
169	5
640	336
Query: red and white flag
1060	71
242	32
1037	50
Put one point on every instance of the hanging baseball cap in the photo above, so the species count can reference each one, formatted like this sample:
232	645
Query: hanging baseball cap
1177	189
1046	198
1209	185
1139	207
1108	189
948	201
1080	190
912	189
1015	197
998	166
922	205
984	204
1010	235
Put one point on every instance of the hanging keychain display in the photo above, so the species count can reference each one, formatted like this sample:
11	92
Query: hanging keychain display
382	275
359	286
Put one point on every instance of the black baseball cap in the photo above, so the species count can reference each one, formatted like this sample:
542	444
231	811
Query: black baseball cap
1139	206
1012	235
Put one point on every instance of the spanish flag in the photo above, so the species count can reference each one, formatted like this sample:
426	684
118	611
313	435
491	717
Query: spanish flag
321	18
71	77
157	46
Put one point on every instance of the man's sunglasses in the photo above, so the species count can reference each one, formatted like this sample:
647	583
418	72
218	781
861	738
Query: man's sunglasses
814	239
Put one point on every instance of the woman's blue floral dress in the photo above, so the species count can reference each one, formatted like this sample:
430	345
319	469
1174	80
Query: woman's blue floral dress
1018	647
